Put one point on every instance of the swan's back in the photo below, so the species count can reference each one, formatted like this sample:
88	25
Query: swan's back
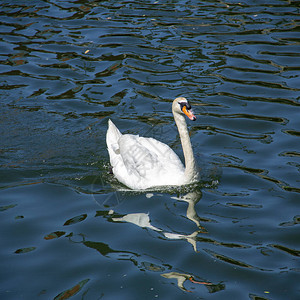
140	162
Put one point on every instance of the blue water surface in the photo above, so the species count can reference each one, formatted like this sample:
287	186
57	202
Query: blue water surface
69	229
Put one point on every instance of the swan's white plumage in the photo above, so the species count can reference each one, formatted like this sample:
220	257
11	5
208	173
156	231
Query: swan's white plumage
141	163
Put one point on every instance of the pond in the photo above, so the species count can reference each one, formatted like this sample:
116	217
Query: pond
69	229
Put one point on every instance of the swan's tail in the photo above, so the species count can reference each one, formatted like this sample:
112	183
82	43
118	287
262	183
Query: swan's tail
112	137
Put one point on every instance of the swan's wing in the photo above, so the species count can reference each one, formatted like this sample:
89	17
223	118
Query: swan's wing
140	162
163	152
147	162
137	159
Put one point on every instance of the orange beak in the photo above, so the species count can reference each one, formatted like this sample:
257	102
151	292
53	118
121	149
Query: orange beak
189	113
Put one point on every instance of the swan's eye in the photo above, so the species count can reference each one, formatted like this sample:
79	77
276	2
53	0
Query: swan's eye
185	104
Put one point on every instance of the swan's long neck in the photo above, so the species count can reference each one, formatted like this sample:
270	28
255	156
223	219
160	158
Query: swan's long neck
191	172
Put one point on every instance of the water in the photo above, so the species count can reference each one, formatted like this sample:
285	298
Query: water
68	230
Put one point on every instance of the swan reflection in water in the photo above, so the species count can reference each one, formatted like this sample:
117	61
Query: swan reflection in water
182	277
143	220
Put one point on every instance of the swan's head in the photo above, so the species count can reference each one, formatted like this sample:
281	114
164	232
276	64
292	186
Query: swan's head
181	106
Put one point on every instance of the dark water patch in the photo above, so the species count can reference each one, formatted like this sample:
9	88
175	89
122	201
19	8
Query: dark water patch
263	138
229	260
4	208
72	291
279	120
287	250
75	220
260	99
54	235
292	132
242	205
25	250
296	220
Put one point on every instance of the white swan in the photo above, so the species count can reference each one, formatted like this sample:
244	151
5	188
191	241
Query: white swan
141	163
